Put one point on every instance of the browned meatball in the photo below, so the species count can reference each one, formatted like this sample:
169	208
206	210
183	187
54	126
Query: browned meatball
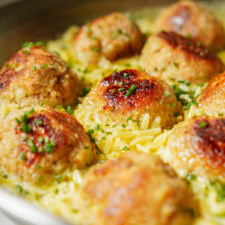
212	99
136	189
168	55
189	18
112	37
132	93
41	143
34	75
198	145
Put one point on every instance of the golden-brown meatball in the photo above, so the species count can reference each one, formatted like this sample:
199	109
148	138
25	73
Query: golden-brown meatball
168	55
132	93
190	18
136	189
41	143
198	145
212	99
34	75
112	37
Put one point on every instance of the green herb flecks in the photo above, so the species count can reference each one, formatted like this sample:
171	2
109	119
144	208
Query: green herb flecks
131	90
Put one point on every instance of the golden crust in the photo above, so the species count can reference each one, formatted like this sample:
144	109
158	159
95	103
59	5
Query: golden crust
198	145
192	18
212	99
168	55
136	189
132	93
34	75
55	142
112	36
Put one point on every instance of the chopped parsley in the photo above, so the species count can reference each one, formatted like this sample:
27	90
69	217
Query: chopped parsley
89	133
25	128
57	53
20	189
25	138
22	156
202	124
23	122
49	146
190	177
86	91
127	65
32	146
41	139
125	148
44	66
129	118
39	167
188	36
5	176
219	188
97	127
131	90
32	44
58	177
69	110
40	149
38	122
130	16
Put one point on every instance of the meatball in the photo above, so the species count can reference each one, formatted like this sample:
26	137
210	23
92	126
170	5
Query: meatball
212	99
41	143
189	18
131	94
34	75
112	37
198	146
136	189
168	55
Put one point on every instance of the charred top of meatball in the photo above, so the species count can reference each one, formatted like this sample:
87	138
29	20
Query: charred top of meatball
127	89
188	45
43	142
210	139
38	135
